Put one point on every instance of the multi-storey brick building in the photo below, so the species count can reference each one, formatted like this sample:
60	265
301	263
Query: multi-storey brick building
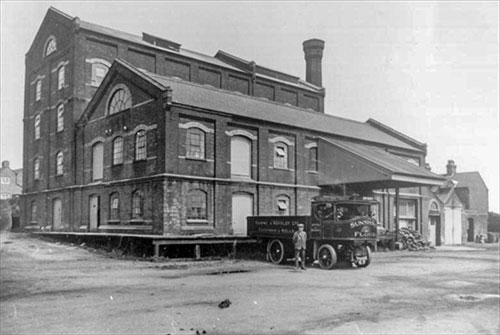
124	133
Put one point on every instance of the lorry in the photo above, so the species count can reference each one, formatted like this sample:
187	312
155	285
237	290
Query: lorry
337	230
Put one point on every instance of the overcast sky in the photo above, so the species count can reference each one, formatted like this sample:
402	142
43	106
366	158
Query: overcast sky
427	69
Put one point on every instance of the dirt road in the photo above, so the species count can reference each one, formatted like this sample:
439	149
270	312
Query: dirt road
53	288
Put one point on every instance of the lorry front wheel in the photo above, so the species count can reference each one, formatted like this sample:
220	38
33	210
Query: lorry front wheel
327	257
275	251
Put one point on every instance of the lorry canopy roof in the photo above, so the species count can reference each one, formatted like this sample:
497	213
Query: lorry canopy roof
367	167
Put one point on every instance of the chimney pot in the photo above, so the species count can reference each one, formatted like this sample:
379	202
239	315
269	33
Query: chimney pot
451	168
313	54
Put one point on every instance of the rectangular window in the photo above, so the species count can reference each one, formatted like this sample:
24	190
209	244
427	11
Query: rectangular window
198	206
313	159
98	73
281	156
36	169
407	213
5	180
37	127
60	118
140	145
195	144
283	208
60	78
38	92
118	151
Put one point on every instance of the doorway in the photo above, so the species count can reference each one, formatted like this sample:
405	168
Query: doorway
94	212
56	214
470	230
435	230
242	206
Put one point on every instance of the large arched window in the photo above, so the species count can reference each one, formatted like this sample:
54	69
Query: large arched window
118	151
60	118
140	145
282	205
97	161
241	156
60	77
36	169
59	163
281	155
37	126
137	205
197	205
114	207
34	211
195	143
50	46
120	100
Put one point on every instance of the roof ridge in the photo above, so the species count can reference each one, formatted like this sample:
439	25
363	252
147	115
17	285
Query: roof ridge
254	98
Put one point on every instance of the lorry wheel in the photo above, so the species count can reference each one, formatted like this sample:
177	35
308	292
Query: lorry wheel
275	251
362	256
327	257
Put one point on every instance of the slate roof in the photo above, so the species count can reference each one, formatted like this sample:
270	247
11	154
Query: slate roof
392	163
468	179
208	97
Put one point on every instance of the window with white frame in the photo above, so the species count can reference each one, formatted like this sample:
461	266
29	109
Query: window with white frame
283	205
120	100
140	145
281	155
114	207
241	156
99	71
60	77
407	213
50	46
313	159
38	90
197	205
60	118
37	126
118	151
137	205
36	169
195	143
59	163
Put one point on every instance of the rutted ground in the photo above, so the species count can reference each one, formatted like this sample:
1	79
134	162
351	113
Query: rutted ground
64	289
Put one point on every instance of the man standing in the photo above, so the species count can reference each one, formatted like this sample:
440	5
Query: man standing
299	239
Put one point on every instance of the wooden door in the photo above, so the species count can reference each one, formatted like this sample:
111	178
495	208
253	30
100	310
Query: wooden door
242	207
56	214
94	212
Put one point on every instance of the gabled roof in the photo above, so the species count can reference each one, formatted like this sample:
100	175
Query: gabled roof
468	179
393	132
208	97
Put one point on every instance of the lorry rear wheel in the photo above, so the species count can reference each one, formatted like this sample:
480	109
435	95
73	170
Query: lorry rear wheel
362	256
327	257
275	251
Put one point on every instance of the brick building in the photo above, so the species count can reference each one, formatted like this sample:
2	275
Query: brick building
137	134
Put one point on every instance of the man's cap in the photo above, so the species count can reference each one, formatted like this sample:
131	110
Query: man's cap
301	224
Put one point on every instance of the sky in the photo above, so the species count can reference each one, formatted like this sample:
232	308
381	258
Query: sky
427	69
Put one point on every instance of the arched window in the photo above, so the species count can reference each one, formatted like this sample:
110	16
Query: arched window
120	100
99	71
59	163
140	145
118	151
36	169
241	156
37	126
60	77
195	143
434	207
114	207
34	211
197	205
38	90
60	118
97	161
313	159
281	155
137	205
50	45
282	205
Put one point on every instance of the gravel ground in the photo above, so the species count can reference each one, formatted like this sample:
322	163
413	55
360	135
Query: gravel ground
57	288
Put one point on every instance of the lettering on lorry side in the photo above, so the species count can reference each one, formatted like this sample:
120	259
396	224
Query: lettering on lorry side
361	223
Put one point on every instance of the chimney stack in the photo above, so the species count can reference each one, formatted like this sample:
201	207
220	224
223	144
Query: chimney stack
451	168
313	53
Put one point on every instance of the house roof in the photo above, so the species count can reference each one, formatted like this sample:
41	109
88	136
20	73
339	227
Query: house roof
208	97
468	179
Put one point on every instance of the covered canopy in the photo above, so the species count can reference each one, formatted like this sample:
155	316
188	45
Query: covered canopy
366	167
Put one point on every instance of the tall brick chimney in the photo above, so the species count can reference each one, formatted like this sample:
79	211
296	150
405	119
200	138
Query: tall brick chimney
313	53
451	168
